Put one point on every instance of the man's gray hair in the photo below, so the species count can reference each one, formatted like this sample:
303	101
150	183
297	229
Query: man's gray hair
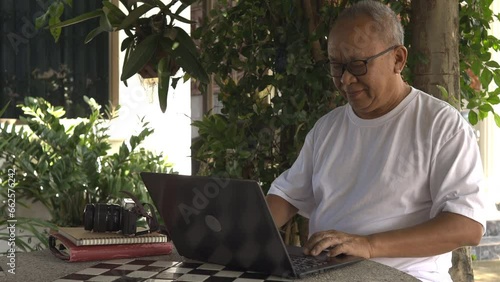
386	22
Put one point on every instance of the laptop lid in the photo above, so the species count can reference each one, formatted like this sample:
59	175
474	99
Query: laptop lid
222	221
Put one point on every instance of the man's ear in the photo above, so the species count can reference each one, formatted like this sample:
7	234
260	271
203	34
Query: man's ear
400	58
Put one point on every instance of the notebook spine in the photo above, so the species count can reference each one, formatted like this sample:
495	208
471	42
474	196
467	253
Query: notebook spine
81	237
115	241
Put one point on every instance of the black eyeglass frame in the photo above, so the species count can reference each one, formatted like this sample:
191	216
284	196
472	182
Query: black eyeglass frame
365	61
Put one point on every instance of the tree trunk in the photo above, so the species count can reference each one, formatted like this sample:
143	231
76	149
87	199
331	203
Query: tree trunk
435	39
462	271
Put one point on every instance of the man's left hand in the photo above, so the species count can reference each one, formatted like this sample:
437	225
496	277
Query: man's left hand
336	243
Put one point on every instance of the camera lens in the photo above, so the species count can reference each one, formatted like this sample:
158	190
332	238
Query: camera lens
88	217
113	218
107	218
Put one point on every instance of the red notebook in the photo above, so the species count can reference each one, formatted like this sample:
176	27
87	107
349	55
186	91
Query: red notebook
64	249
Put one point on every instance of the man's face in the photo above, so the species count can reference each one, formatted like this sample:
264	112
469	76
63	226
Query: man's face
371	95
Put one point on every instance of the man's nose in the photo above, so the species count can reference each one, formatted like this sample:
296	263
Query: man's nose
347	77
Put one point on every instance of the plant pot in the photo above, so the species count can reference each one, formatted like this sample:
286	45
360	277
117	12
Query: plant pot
150	70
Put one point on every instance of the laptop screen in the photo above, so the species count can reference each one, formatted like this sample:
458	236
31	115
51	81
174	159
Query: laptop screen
219	220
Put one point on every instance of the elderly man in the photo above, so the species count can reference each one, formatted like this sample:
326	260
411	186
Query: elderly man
394	175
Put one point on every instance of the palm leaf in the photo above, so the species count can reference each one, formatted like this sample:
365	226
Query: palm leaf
140	56
190	63
134	15
75	20
163	82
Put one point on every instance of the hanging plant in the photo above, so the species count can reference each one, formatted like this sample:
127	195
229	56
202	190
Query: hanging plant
154	46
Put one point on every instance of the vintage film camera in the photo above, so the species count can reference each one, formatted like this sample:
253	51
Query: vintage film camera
102	217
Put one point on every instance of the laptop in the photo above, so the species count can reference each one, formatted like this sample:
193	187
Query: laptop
227	222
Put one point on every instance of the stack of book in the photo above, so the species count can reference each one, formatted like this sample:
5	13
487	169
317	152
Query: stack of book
78	244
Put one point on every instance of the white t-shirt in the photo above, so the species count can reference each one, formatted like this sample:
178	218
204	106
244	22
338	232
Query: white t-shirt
367	176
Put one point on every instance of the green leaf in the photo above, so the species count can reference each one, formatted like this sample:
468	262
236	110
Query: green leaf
482	114
163	82
185	40
177	17
126	58
492	64
190	64
104	26
140	56
472	104
476	66
485	78
493	100
104	23
181	8
496	77
56	31
93	33
69	2
444	92
484	56
4	108
115	15
56	9
473	117
486	108
113	9
59	10
126	43
41	21
75	20
134	15
497	119
123	151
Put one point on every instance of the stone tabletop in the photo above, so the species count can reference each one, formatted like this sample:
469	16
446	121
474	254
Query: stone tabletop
42	266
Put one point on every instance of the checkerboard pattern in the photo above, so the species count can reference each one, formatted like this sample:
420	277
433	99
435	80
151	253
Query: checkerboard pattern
134	270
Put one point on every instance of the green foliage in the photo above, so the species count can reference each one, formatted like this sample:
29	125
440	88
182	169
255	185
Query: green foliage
4	142
27	230
273	84
53	16
67	167
476	46
149	38
279	92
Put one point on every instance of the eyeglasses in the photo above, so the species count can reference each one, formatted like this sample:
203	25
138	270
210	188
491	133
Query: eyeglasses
356	67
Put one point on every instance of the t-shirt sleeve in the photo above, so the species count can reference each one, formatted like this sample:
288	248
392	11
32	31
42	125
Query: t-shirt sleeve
456	176
295	184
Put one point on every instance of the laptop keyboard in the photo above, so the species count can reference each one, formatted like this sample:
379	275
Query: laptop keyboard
301	263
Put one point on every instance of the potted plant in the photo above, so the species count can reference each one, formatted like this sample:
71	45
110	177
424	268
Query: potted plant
65	167
154	46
